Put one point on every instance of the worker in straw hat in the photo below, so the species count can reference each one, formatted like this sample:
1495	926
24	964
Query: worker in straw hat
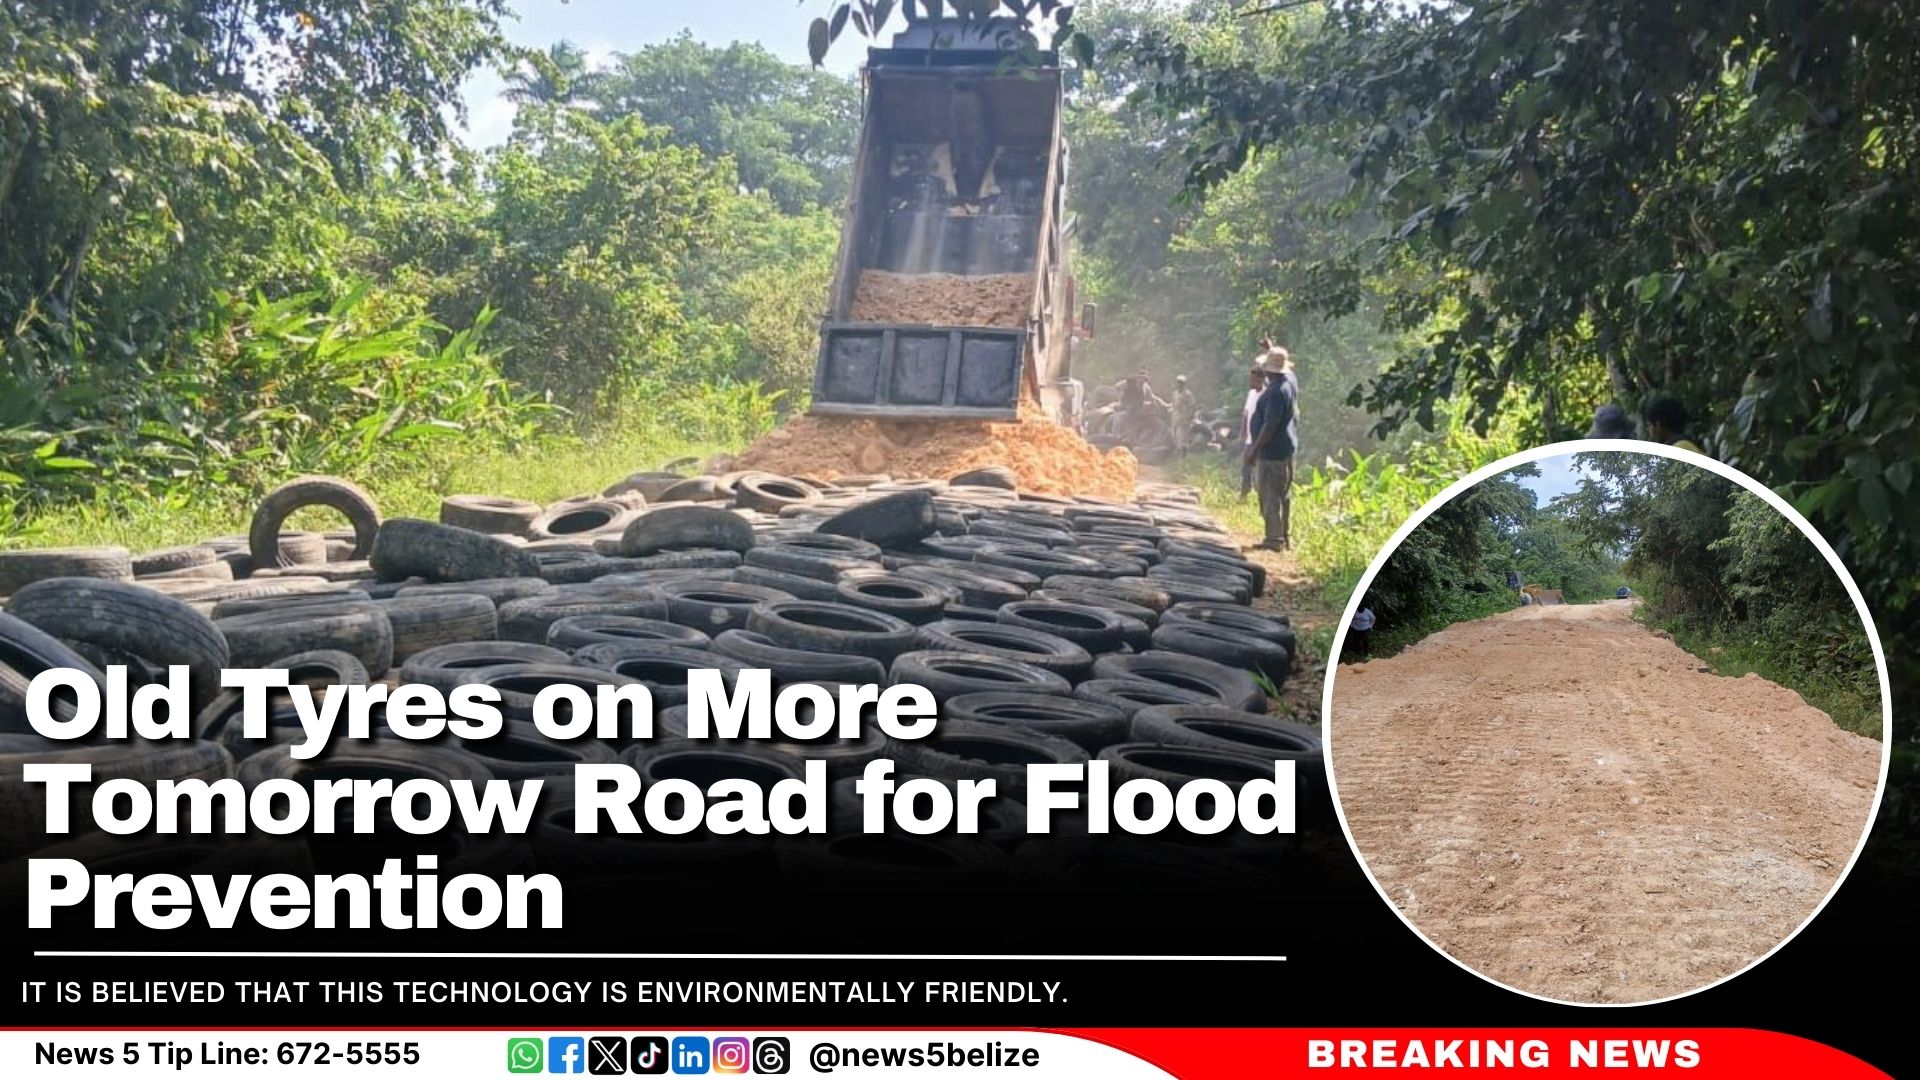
1275	439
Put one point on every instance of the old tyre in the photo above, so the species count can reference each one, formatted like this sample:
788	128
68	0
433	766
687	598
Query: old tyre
714	607
669	528
531	618
694	489
797	665
409	547
1231	687
520	752
1089	724
962	749
794	585
359	629
174	559
129	619
1036	647
1093	629
1175	765
950	674
889	521
21	568
26	651
394	760
498	590
1225	645
263	535
580	631
574	519
768	492
976	587
489	514
424	622
23	806
807	560
914	600
1132	695
1139	591
994	476
247	605
1225	729
1268	626
519	686
832	628
663	668
445	666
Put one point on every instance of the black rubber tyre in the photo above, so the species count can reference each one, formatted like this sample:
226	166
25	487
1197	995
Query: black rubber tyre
26	651
669	528
488	514
951	674
889	521
1267	625
911	599
1187	589
1225	645
572	567
1175	765
580	631
498	590
1231	687
769	492
1089	724
1038	648
663	668
394	759
794	585
221	720
843	757
570	519
520	684
963	749
520	752
969	613
977	587
1132	695
1094	629
797	665
714	607
409	547
702	763
446	666
694	489
832	628
264	542
1136	622
993	476
530	619
23	806
424	622
248	605
174	559
647	485
1041	563
358	629
1225	729
1140	591
19	569
212	571
129	619
807	561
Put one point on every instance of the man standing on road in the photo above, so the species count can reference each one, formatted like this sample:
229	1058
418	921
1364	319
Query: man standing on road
1184	411
1276	436
1256	382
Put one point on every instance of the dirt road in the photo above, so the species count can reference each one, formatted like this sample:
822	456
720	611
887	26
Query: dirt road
1563	801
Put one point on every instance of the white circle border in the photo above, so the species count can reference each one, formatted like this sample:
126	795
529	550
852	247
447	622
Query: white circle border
1634	446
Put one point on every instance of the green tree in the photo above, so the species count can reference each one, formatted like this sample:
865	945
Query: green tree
558	76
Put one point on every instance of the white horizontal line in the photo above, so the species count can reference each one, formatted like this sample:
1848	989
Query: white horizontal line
644	956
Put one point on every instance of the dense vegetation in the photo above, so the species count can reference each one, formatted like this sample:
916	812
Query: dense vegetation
1730	578
238	241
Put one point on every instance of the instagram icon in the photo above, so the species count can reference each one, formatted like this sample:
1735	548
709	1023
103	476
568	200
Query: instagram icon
730	1055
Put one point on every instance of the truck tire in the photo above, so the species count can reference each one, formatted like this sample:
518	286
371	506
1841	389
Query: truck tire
358	629
833	628
443	668
173	559
1088	724
409	547
264	543
26	651
129	619
714	607
1227	646
580	631
1216	728
488	514
1093	629
1042	650
964	750
797	665
769	493
423	622
911	599
889	521
1229	686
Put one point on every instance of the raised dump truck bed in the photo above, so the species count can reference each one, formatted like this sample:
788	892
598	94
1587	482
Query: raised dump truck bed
950	294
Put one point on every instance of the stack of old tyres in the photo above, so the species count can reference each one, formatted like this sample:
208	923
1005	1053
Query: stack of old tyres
1049	630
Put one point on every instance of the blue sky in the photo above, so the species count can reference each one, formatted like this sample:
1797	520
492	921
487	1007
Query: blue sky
604	27
1557	477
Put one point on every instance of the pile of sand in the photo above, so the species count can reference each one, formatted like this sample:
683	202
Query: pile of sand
943	299
1046	457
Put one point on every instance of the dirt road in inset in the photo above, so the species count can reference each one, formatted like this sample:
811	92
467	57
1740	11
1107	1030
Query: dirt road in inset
1560	799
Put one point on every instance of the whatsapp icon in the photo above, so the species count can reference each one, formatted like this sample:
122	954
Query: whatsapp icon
523	1055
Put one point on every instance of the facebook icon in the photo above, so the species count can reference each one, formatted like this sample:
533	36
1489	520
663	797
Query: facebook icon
566	1054
689	1055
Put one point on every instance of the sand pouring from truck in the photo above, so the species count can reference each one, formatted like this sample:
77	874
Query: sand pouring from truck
951	298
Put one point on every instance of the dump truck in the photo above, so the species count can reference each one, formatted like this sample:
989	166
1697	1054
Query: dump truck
951	297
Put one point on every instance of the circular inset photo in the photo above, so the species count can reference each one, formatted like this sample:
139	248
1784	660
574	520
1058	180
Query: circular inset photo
1609	722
